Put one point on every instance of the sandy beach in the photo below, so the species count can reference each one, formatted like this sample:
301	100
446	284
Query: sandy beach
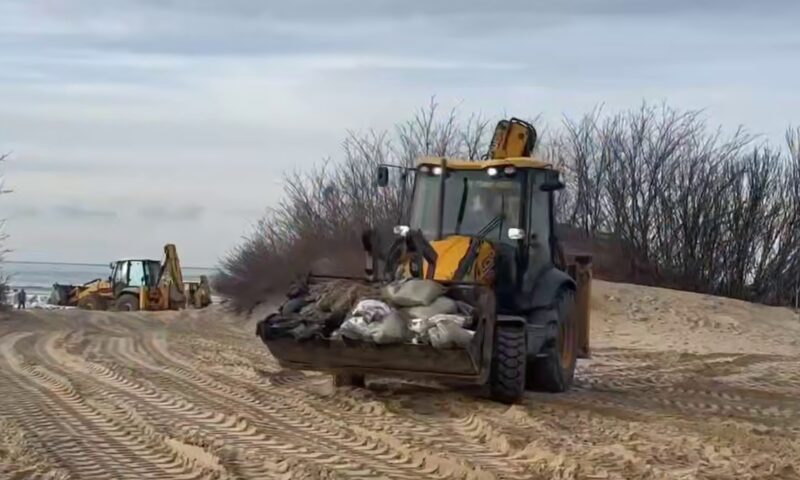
680	386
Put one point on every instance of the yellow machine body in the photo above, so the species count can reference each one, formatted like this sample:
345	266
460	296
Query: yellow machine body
452	252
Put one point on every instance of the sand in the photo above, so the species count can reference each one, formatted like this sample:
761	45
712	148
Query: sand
680	386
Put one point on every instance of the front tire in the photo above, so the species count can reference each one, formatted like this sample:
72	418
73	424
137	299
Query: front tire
507	377
554	369
127	303
92	302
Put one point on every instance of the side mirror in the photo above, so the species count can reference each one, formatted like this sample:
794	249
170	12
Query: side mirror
552	183
516	234
382	176
111	265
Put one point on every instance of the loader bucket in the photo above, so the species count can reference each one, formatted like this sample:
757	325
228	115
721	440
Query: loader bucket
469	365
62	295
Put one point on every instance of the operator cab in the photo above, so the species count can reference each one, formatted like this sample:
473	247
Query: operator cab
506	202
134	273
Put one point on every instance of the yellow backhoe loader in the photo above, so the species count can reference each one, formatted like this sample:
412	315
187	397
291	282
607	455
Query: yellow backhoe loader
138	284
484	231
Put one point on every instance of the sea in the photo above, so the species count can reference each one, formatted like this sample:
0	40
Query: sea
37	278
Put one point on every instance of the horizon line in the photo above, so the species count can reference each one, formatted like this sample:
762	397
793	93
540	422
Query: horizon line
81	264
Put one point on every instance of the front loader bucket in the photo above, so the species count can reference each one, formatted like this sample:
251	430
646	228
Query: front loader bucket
61	295
405	360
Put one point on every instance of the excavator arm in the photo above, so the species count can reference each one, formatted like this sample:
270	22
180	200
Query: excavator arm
512	138
170	280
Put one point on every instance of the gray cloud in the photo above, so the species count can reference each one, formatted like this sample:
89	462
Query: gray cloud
252	27
23	211
78	212
183	213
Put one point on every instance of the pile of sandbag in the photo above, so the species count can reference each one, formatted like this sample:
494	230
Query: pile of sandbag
315	311
411	310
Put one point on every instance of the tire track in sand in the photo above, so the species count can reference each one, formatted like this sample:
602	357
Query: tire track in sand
292	408
67	426
295	421
181	418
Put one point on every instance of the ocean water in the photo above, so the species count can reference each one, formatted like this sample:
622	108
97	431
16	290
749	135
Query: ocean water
38	278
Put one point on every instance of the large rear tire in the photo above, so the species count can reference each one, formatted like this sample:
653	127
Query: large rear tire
554	369
507	377
127	303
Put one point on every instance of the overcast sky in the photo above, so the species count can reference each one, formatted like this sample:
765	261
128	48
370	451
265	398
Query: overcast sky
135	122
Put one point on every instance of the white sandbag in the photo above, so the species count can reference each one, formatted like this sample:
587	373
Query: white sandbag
441	305
459	320
413	292
354	328
448	334
392	328
418	328
371	310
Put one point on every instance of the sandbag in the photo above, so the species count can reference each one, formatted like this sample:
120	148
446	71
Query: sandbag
447	334
339	296
299	328
459	320
413	292
388	329
392	328
371	310
442	305
354	328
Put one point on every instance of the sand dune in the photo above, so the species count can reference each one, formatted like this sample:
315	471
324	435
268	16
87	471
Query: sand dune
680	386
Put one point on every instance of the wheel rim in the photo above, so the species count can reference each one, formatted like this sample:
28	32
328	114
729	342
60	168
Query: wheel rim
566	341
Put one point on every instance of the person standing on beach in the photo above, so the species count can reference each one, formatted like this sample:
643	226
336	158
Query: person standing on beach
21	298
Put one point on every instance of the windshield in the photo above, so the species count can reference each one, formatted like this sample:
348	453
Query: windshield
474	203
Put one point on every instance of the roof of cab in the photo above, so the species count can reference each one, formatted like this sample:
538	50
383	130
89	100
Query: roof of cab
461	164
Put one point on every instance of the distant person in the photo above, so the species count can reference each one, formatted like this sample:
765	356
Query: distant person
21	298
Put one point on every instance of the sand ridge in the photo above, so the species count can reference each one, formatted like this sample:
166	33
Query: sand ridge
680	386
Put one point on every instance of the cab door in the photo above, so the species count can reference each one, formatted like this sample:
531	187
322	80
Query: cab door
119	279
538	224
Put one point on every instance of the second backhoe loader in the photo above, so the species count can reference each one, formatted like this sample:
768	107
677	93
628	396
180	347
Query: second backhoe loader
138	284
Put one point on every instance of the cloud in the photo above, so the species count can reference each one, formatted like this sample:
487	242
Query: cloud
184	213
23	211
78	212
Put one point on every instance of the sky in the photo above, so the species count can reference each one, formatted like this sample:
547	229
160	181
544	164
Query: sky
131	123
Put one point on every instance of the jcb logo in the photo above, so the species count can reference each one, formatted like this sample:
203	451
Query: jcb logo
484	270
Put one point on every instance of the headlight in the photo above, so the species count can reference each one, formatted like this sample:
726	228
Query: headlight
509	170
492	171
437	170
424	169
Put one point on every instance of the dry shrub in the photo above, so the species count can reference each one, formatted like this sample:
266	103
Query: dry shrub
686	206
655	194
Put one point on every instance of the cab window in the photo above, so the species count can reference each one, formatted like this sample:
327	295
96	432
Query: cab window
136	274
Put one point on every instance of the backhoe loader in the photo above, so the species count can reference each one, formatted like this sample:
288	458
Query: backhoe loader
138	284
484	230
